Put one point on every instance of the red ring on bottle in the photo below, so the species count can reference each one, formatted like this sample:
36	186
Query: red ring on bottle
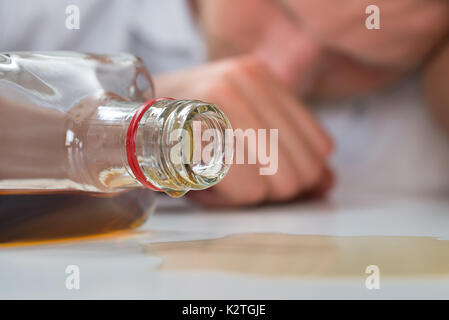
131	143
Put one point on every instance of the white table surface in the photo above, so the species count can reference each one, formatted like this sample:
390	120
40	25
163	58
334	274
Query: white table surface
312	250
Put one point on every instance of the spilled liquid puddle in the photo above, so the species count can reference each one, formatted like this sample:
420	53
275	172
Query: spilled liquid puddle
283	255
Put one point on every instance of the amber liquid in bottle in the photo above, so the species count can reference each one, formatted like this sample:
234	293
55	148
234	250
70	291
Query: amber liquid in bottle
64	156
36	216
44	217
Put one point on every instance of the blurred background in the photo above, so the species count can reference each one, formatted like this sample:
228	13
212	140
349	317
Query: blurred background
364	87
363	120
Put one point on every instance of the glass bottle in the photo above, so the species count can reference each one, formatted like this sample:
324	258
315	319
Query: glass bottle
84	145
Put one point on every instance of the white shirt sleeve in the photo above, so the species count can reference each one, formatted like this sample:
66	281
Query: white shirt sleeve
162	33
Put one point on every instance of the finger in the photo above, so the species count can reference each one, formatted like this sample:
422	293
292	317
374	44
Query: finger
298	156
319	140
243	183
327	182
209	198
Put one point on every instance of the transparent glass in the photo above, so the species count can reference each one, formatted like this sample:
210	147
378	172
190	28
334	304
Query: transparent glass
64	119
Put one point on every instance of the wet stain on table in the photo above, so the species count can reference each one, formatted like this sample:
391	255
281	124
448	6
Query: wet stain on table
286	255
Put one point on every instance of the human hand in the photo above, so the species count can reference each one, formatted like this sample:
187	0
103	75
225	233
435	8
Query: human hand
252	98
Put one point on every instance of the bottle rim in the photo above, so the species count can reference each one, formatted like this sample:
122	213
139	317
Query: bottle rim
131	143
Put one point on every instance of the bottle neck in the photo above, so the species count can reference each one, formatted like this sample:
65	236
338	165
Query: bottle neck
177	145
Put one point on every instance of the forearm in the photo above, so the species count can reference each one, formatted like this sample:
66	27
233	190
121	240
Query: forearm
436	87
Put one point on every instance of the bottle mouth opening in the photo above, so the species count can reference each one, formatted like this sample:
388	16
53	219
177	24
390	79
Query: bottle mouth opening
199	142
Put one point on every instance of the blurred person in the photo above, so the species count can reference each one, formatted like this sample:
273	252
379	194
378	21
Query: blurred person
265	55
322	51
